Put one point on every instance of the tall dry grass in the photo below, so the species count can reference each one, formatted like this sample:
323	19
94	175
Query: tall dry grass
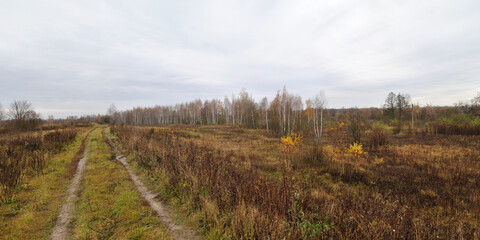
26	155
391	194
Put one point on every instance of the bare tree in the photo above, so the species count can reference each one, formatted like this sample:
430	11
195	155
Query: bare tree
2	114
233	109
227	106
390	104
319	104
476	100
21	110
264	108
285	104
297	107
476	105
113	113
402	102
415	111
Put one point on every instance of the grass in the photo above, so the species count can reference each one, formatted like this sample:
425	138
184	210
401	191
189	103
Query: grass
33	210
227	201
109	205
415	186
180	214
248	146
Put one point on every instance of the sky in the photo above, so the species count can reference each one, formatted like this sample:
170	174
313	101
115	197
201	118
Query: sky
78	57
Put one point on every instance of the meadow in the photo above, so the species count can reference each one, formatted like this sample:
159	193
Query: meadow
246	184
357	178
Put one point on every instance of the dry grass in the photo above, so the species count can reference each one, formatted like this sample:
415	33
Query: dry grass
109	205
416	186
33	209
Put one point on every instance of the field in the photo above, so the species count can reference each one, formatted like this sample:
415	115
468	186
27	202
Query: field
221	182
237	183
37	169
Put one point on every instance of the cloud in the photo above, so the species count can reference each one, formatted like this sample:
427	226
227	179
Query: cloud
78	57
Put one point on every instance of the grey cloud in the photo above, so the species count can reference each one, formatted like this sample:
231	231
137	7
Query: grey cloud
78	57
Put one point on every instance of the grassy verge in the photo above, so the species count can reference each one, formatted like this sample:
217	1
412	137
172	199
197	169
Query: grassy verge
32	212
109	205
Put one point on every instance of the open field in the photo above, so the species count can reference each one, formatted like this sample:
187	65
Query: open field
237	183
240	120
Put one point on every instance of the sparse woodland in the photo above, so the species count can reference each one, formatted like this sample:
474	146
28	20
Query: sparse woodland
289	113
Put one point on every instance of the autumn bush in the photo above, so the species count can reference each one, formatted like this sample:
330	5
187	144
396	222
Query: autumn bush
55	141
356	130
317	156
460	124
23	124
377	136
290	146
26	155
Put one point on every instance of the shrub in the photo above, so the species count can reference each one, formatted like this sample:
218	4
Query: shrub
377	136
12	166
356	129
317	156
461	124
56	140
20	156
24	124
356	150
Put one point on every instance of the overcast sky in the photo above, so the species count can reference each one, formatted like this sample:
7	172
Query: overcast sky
78	57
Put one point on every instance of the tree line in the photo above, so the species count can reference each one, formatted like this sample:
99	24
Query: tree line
285	113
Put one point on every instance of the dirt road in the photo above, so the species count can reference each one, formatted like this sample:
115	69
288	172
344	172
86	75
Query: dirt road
178	231
65	228
60	231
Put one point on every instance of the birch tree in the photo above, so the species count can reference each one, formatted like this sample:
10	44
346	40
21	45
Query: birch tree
227	108
309	111
297	107
264	109
319	104
112	112
2	114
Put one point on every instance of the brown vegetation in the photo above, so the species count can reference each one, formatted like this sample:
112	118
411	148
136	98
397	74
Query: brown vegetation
26	155
422	187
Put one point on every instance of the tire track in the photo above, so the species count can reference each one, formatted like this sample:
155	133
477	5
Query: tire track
178	231
60	230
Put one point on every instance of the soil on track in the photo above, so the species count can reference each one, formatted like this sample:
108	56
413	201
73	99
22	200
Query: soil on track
178	231
61	230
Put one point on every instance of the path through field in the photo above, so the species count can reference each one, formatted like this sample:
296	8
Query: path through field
178	231
89	191
60	231
86	212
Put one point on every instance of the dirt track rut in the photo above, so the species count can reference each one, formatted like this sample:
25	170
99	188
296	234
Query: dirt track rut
178	231
61	230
